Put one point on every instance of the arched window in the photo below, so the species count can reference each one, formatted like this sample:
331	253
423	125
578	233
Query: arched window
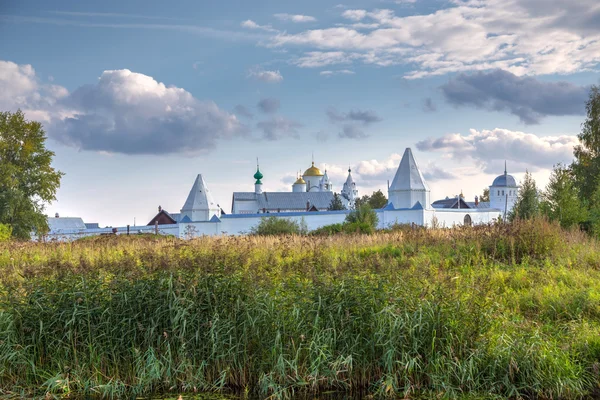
467	220
498	193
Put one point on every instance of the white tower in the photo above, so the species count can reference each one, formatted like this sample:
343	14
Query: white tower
349	192
408	186
200	205
503	193
325	184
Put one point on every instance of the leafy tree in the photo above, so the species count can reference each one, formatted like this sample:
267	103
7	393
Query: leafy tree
278	226
527	205
560	201
363	215
27	180
376	200
586	167
485	197
593	222
336	203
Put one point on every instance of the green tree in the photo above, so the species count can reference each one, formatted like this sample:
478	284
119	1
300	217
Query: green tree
279	226
28	180
363	215
527	205
336	203
377	200
586	166
560	201
593	222
485	197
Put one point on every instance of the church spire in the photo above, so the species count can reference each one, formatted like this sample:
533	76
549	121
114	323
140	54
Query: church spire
505	173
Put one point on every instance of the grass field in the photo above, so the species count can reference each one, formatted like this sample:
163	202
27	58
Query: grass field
496	311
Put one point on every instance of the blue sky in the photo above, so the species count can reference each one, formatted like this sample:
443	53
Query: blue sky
138	97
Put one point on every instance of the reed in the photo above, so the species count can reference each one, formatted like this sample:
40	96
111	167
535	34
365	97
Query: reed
501	311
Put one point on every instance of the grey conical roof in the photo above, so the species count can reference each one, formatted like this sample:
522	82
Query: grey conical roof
408	176
199	197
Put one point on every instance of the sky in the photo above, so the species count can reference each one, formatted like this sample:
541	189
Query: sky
139	97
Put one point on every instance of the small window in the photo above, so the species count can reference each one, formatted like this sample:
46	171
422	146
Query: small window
503	193
498	193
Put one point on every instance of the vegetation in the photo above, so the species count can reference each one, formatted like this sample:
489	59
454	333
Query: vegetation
336	203
560	201
485	197
586	167
5	232
376	200
279	226
27	179
527	205
504	311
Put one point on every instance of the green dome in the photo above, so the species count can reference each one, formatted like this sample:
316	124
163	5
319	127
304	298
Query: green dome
258	176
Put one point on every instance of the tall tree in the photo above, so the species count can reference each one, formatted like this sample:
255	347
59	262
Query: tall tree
377	200
336	203
27	180
586	167
560	201
528	204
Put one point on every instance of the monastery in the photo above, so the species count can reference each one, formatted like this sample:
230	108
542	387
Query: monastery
308	202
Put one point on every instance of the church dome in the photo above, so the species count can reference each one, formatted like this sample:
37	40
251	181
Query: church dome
258	176
505	180
300	181
313	171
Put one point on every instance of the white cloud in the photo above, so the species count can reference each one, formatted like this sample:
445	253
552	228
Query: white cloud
266	76
488	148
337	72
354	15
21	88
298	18
123	112
249	24
520	36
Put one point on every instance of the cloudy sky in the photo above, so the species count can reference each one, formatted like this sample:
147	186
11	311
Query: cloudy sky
138	97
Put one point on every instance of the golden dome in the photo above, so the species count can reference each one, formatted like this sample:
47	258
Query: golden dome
313	171
300	181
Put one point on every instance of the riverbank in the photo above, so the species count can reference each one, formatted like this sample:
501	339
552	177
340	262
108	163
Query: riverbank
504	311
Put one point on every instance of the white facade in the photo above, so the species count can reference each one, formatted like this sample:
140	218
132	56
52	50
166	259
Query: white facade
408	187
408	204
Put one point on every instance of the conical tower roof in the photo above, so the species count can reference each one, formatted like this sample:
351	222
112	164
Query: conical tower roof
408	176
200	197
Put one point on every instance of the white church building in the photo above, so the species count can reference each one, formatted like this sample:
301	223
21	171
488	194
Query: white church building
308	202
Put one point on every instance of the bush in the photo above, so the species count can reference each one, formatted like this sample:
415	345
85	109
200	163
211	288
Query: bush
5	232
278	226
346	227
364	215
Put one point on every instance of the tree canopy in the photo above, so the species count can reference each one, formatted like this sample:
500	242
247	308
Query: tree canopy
28	180
336	203
376	200
560	201
527	204
586	167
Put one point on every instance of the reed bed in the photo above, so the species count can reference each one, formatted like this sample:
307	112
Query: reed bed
504	311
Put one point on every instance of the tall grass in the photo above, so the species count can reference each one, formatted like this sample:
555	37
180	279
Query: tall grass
506	311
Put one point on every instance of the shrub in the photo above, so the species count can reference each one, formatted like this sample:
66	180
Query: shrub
5	232
346	227
278	226
363	215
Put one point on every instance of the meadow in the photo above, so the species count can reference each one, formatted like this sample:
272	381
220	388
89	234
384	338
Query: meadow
501	311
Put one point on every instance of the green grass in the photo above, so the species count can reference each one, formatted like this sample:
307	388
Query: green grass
499	311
